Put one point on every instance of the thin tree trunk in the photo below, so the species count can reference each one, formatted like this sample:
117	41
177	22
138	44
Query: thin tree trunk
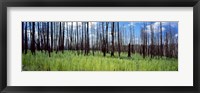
52	37
119	48
63	37
33	39
88	39
161	45
82	38
129	50
112	33
107	36
48	39
22	37
77	48
38	39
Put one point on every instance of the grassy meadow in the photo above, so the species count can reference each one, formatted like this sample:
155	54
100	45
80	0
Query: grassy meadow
71	61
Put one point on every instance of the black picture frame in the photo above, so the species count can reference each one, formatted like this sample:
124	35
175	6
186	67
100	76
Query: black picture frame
100	3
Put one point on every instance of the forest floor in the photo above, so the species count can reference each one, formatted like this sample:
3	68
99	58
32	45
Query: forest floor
71	61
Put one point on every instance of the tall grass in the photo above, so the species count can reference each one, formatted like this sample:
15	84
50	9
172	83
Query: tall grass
71	61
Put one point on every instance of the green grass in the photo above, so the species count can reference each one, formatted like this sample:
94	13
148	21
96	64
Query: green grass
71	61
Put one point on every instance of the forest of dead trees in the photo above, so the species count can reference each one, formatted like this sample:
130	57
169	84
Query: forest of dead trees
108	38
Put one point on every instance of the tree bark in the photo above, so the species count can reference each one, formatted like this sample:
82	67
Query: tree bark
33	39
22	37
112	33
26	37
161	45
119	47
52	37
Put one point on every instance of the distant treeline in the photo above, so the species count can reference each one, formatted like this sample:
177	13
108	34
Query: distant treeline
90	37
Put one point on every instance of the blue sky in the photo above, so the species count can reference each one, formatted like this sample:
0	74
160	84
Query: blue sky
139	25
125	26
166	26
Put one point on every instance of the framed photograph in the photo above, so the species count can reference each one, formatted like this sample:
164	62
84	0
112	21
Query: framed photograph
100	46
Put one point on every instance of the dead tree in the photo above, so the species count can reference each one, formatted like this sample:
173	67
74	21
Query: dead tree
22	37
107	36
38	39
129	50
103	45
152	41
112	33
119	47
26	37
48	39
52	37
33	39
63	36
161	45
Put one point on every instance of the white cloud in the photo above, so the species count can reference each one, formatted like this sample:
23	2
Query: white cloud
131	24
74	24
176	35
156	27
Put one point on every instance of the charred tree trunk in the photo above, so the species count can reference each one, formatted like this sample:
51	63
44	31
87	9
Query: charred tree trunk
88	39
33	39
77	47
152	41
44	37
107	37
67	38
82	39
166	45
85	40
22	37
103	45
119	47
63	37
59	37
112	33
48	39
38	39
51	36
161	45
26	37
129	50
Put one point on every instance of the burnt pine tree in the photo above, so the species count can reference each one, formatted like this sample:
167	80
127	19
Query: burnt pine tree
44	36
51	36
48	47
103	45
67	39
71	39
119	47
26	38
54	35
166	44
38	39
161	45
85	40
33	39
63	37
112	33
152	41
56	38
88	39
129	45
22	37
77	41
60	38
106	36
82	37
41	37
92	38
